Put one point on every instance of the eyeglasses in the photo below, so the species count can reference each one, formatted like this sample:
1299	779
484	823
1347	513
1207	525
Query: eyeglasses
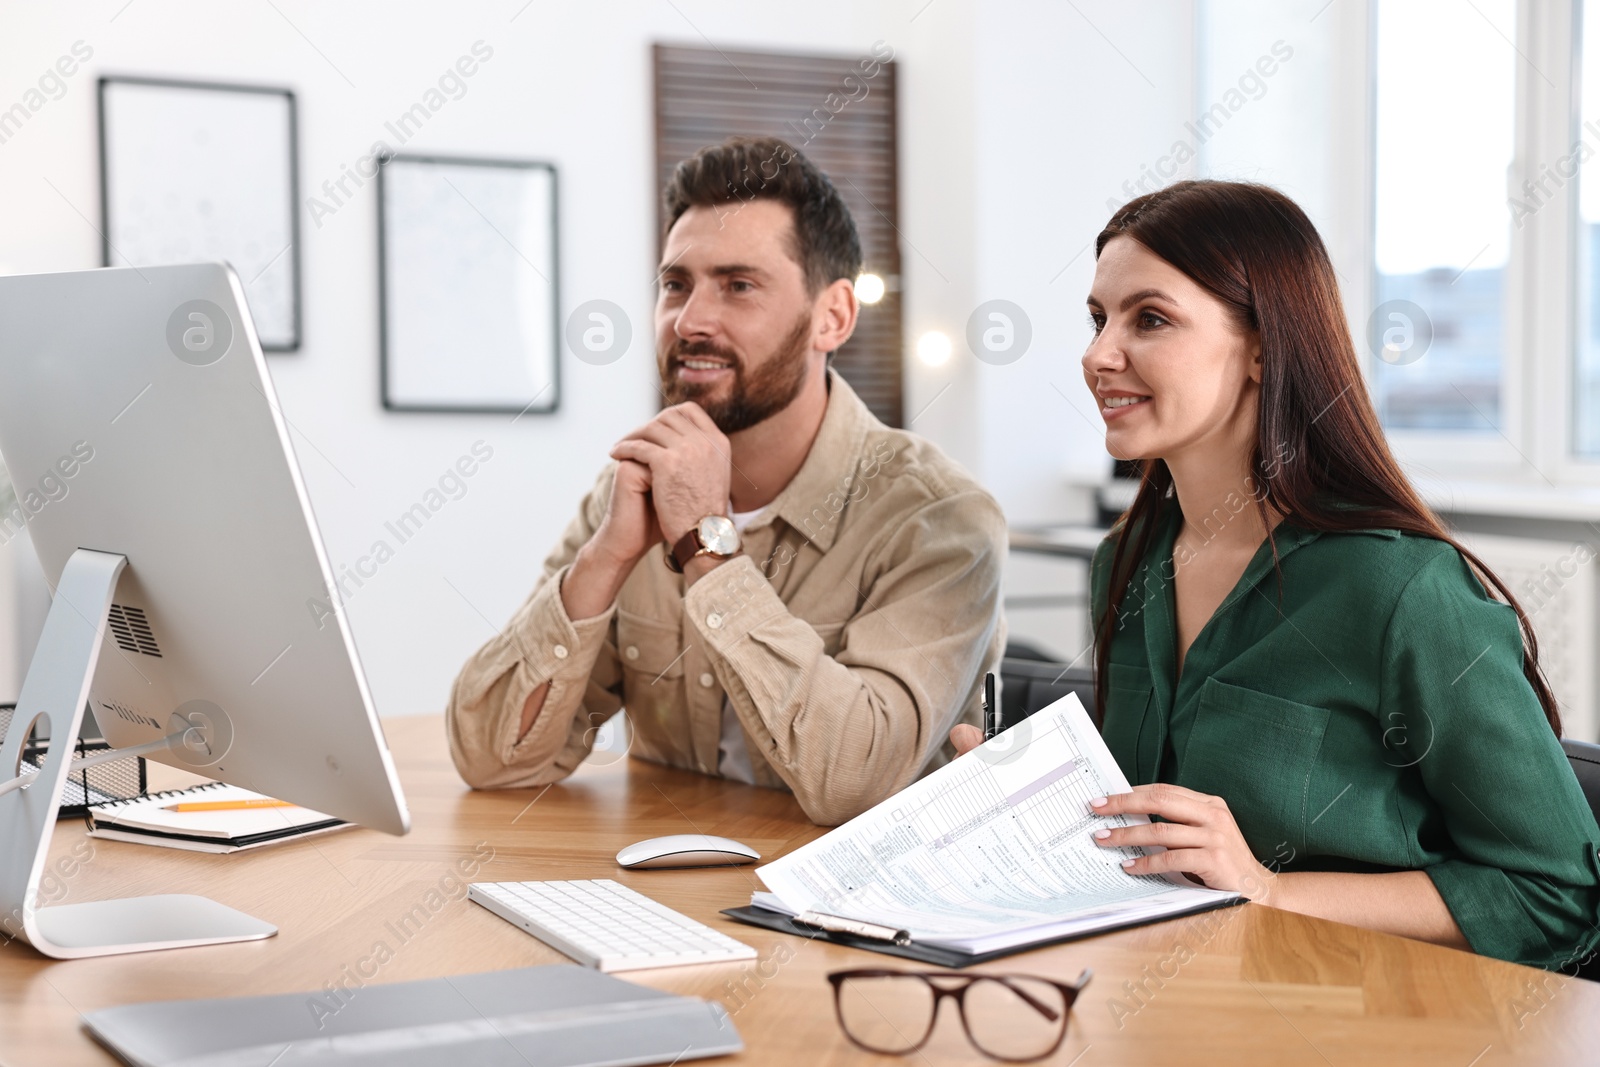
1010	1017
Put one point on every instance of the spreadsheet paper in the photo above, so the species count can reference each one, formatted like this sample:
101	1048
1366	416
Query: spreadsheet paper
995	843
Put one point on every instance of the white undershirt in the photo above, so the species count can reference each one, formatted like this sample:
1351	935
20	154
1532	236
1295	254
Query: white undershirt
733	759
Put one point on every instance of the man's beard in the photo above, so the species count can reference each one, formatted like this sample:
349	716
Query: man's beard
753	399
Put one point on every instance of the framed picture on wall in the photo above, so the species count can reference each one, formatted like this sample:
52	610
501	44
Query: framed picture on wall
468	285
193	171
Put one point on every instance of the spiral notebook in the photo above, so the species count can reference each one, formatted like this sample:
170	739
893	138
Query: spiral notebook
145	820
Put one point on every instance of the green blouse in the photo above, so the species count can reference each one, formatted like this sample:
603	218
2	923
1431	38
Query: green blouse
1371	715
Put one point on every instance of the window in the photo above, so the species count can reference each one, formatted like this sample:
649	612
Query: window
1445	124
1586	333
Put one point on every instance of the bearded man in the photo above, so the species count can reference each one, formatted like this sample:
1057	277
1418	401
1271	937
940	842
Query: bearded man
777	587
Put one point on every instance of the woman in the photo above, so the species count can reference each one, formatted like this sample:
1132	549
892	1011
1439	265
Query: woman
1345	704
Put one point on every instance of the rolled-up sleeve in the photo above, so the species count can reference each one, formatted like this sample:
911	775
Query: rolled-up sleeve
1523	883
540	644
846	731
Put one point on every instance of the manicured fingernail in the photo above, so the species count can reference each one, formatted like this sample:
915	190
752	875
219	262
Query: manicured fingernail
1102	834
1129	863
1098	802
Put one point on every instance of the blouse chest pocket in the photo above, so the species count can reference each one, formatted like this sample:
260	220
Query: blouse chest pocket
1259	753
1127	731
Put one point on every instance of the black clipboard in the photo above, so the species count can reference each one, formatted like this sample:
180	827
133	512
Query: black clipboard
953	959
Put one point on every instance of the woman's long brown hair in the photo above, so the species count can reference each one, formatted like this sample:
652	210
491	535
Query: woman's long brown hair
1253	249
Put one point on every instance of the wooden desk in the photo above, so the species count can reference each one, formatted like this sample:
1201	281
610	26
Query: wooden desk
1245	985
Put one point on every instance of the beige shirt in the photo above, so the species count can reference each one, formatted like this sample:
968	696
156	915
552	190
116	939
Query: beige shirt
849	636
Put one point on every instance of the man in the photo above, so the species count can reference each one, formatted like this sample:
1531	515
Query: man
779	588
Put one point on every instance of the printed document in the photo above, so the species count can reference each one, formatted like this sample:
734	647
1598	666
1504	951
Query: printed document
993	850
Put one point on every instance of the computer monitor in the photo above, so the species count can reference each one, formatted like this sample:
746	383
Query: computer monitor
193	604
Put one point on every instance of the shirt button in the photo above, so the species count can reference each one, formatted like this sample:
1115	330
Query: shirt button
632	652
714	621
560	651
708	679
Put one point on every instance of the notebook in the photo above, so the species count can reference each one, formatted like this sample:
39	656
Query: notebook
990	854
145	820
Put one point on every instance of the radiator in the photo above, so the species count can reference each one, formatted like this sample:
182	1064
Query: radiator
1555	583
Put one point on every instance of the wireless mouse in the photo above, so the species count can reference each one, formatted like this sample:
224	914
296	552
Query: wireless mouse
686	850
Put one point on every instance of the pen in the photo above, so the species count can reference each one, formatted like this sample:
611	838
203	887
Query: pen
230	805
838	925
991	709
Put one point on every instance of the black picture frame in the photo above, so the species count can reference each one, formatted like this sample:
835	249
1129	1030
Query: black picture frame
111	249
547	399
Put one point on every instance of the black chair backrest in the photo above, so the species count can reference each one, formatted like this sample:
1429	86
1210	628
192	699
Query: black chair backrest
1016	648
1585	760
1028	685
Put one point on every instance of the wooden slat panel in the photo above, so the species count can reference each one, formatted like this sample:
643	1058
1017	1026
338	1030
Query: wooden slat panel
704	95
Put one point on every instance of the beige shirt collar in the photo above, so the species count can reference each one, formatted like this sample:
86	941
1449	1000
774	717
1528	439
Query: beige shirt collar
829	468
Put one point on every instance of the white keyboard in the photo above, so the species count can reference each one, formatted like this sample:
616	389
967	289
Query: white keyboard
607	926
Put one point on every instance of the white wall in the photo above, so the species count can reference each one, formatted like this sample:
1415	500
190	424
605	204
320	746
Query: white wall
990	92
1074	100
1305	129
938	175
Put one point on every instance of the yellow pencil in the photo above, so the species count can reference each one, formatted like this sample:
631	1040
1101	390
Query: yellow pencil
230	805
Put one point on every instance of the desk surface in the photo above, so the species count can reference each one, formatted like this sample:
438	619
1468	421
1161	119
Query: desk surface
1073	542
1242	986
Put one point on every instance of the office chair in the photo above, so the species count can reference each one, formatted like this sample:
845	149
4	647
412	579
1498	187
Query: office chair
1029	682
1016	648
1585	760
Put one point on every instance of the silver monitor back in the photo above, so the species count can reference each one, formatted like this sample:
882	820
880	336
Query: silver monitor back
137	417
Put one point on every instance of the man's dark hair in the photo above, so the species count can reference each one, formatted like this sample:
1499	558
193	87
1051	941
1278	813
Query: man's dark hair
742	169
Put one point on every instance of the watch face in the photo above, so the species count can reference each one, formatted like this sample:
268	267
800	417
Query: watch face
718	535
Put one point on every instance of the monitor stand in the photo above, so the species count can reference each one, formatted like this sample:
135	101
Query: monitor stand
56	689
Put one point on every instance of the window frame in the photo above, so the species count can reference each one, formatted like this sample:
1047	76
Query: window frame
1536	442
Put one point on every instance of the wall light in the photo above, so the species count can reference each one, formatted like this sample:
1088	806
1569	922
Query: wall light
869	288
933	348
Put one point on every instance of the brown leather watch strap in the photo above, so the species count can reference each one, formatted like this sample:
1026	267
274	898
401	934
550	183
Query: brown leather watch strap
688	546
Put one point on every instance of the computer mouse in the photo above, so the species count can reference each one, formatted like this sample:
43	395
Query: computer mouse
686	850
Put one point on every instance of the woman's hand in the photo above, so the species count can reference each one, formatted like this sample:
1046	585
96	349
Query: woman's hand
1199	835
